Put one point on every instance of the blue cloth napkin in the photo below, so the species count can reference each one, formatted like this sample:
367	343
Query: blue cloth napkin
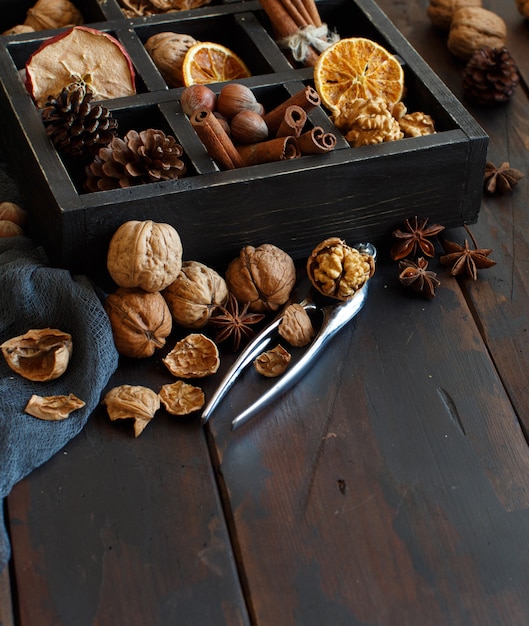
34	295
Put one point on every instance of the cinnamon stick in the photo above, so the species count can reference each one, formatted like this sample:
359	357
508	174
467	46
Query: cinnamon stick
307	99
277	149
217	142
316	141
293	121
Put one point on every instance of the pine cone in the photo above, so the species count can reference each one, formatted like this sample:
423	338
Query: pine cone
490	76
76	125
144	157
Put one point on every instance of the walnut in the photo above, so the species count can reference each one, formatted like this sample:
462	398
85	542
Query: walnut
263	276
53	408
19	29
194	356
132	402
441	12
296	326
365	122
140	321
145	254
523	7
473	28
337	270
180	398
273	362
195	294
167	50
416	124
51	14
40	354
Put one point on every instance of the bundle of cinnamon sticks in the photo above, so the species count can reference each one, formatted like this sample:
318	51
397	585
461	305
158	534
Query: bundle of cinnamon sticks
297	25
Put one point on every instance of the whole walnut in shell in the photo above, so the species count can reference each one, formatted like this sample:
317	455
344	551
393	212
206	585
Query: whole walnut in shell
523	7
337	270
167	50
51	14
140	321
195	294
441	12
145	254
40	354
473	28
263	276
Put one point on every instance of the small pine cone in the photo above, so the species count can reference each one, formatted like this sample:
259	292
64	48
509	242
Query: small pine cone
76	125
145	157
490	76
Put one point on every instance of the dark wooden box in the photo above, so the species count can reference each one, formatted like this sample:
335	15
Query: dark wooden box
360	194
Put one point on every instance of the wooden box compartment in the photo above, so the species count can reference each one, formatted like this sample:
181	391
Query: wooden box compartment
359	194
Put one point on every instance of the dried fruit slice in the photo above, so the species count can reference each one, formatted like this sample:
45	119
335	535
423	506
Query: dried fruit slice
208	62
80	55
357	68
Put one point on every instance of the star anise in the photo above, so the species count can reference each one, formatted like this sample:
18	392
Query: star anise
418	277
233	322
415	237
500	180
464	260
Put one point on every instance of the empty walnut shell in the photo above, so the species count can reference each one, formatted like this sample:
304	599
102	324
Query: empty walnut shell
473	28
145	254
53	408
180	398
195	294
273	362
193	356
132	402
263	276
337	270
40	354
140	321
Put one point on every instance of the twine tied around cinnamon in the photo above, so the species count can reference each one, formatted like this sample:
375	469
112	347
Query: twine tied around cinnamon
307	37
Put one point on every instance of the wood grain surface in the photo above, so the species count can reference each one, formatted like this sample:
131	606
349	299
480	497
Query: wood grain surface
390	487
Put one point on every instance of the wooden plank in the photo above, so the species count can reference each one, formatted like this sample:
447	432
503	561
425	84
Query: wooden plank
117	530
390	487
6	605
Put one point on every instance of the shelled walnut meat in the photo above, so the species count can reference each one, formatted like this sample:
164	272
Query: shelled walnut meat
140	321
145	254
264	277
195	294
39	354
337	270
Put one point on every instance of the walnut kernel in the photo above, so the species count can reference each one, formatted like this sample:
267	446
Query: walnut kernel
194	356
337	270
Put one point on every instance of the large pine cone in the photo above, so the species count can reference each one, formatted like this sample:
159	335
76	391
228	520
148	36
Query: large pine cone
145	157
490	76
76	125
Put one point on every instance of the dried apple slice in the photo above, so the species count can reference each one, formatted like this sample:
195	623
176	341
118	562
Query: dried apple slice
80	55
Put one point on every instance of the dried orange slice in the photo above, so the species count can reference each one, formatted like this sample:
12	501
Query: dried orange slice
357	68
208	62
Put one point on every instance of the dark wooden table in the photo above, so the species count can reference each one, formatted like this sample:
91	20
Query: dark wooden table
390	487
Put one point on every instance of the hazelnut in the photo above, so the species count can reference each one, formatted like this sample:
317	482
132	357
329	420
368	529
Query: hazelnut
235	97
441	12
145	254
39	354
248	127
167	50
132	402
523	7
263	276
195	294
473	28
140	321
197	97
337	270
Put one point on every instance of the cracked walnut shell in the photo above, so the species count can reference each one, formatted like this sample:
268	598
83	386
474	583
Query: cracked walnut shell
53	408
195	294
145	254
263	276
296	326
140	321
180	398
472	28
132	402
40	354
337	270
273	363
194	356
